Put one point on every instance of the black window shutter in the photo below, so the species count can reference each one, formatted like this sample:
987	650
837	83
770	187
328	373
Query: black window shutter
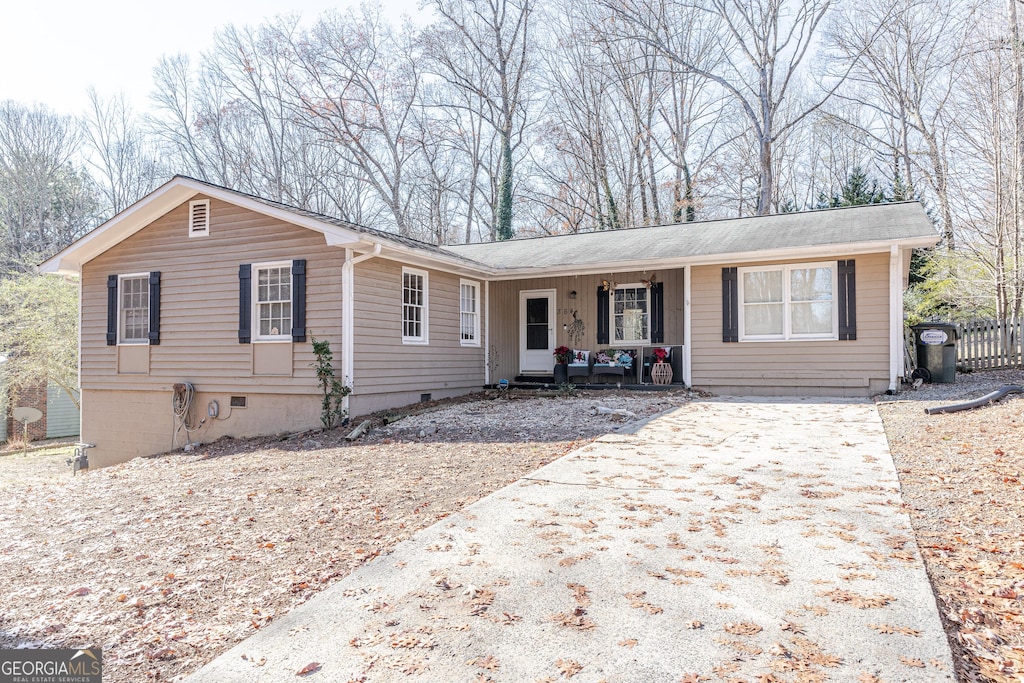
602	316
111	310
847	300
299	300
154	308
657	313
730	306
244	303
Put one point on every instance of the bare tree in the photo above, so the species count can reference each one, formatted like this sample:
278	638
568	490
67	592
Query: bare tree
482	48
455	118
120	152
357	85
908	55
577	133
763	44
189	122
46	200
987	188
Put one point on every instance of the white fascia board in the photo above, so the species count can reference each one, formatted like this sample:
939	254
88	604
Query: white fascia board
334	234
454	265
850	249
165	198
125	224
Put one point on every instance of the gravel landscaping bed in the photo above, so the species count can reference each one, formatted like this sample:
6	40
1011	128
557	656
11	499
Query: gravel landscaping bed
962	476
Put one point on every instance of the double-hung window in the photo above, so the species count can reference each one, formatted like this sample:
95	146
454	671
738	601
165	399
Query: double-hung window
272	301
133	309
414	306
469	313
631	314
788	302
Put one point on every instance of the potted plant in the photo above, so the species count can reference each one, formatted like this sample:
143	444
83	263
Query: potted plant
661	372
561	355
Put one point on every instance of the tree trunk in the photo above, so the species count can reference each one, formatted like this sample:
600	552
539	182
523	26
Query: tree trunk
504	227
1018	176
766	178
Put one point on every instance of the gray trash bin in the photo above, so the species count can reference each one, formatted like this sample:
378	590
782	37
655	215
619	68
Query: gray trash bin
936	351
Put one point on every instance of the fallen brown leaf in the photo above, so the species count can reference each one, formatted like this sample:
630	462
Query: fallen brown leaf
310	668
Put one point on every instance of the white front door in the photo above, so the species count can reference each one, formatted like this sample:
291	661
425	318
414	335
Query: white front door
536	331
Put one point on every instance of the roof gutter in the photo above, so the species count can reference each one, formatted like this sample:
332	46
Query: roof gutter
845	249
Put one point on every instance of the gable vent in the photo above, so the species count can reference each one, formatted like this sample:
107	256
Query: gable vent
199	218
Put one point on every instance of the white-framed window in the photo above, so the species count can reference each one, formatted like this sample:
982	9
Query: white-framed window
469	313
272	301
133	308
199	218
788	302
631	314
414	306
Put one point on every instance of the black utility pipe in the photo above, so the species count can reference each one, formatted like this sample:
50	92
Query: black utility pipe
977	403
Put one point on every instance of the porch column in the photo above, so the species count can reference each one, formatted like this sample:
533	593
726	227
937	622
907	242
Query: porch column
895	317
687	330
487	332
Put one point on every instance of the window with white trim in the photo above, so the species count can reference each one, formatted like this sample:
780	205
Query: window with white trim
631	314
788	302
272	301
199	218
414	306
133	309
469	313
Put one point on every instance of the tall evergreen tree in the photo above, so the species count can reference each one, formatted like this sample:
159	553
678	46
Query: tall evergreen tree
856	191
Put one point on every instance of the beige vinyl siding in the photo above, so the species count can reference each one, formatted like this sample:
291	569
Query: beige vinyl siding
129	414
504	296
384	364
855	368
199	302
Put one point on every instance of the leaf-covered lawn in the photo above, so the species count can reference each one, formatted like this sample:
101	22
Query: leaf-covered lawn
962	476
166	562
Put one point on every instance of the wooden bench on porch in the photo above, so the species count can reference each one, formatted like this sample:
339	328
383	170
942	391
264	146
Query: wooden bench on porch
610	362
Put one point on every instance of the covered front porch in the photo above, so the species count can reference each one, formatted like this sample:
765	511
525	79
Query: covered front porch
610	322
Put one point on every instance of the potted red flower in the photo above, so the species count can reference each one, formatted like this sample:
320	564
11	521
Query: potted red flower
562	355
661	372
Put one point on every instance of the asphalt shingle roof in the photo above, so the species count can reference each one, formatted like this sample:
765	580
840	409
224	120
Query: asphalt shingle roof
874	223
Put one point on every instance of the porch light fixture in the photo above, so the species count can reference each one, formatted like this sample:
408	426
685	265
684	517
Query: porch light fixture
572	294
608	285
652	281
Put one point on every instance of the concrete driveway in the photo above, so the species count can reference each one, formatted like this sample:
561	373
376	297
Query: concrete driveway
734	539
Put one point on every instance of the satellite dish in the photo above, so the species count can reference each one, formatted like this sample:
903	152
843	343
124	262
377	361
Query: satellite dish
27	415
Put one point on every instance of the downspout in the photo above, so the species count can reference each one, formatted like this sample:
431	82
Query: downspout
687	329
81	285
487	333
895	317
348	297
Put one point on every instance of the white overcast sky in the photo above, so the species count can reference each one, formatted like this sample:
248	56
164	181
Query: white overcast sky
52	51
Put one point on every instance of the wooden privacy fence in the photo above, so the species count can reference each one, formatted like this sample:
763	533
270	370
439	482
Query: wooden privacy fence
986	344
